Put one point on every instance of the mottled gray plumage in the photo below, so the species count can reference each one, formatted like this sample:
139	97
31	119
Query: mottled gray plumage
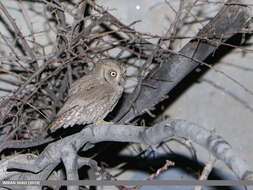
92	97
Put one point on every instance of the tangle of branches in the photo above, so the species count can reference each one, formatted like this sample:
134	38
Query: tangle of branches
39	66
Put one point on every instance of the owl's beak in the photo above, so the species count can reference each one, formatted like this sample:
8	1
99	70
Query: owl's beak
122	82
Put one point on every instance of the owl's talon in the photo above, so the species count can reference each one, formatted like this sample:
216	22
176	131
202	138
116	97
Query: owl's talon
102	122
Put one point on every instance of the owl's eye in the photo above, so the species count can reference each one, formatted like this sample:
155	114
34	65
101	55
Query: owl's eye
113	73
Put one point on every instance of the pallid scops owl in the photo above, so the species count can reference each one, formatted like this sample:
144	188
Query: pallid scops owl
93	96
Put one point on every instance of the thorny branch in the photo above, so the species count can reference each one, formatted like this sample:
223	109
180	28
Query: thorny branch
177	65
40	75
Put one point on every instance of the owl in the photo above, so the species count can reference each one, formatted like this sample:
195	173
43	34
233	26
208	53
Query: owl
92	97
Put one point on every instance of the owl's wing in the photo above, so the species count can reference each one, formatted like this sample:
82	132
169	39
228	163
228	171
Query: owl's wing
86	82
87	104
63	120
102	100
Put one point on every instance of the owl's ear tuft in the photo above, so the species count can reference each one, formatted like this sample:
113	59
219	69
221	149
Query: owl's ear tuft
96	67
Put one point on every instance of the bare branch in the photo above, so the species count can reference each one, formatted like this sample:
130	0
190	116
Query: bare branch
55	152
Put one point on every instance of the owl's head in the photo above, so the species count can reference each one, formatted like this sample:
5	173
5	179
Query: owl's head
111	71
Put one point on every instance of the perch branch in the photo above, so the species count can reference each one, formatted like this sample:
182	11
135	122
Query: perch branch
54	153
